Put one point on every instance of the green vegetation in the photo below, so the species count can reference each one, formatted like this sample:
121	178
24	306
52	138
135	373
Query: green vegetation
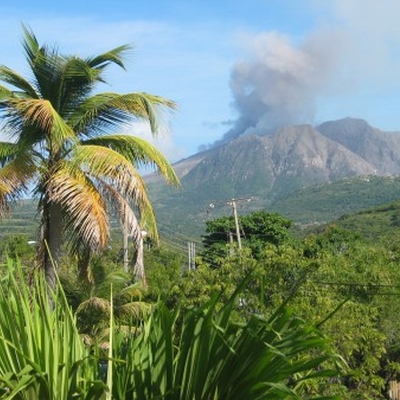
334	284
17	247
42	356
336	280
374	223
256	228
196	354
92	305
22	220
204	355
327	202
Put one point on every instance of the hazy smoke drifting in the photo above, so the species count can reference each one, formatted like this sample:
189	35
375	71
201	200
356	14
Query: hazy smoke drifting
280	83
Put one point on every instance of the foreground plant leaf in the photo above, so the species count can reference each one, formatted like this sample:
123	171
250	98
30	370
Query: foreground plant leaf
201	354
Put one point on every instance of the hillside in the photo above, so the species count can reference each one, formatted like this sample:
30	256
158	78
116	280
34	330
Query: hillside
339	201
375	224
312	205
329	201
23	220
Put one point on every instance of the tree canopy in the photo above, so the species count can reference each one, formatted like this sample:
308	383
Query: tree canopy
256	229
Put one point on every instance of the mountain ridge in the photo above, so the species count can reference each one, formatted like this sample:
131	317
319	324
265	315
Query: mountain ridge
269	167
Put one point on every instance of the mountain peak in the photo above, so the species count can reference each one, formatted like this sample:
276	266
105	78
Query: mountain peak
346	125
375	146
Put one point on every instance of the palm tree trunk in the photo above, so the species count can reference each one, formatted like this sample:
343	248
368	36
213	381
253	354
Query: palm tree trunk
51	242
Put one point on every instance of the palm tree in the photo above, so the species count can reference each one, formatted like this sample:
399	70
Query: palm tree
91	302
64	146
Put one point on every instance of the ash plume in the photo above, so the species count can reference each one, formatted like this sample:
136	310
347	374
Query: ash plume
279	83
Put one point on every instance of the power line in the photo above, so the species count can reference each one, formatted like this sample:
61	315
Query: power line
177	235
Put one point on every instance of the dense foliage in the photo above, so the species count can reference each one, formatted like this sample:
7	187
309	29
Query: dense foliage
256	229
177	355
335	280
329	201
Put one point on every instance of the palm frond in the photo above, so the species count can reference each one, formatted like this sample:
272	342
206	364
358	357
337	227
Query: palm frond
30	44
114	56
45	65
126	215
85	209
107	164
5	94
14	177
75	81
132	311
54	79
138	151
93	305
148	223
129	292
104	111
8	151
17	81
18	171
40	113
118	279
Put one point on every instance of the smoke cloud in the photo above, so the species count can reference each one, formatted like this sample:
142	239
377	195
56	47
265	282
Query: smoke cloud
279	83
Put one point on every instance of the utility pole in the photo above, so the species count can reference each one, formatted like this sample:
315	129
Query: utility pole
192	255
233	203
235	215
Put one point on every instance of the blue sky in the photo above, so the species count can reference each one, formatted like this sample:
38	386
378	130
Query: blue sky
231	66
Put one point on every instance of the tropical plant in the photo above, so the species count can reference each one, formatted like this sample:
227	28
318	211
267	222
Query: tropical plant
91	303
64	146
199	353
164	269
196	353
42	355
336	274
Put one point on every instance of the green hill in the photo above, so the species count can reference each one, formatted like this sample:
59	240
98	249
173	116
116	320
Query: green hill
375	223
326	202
